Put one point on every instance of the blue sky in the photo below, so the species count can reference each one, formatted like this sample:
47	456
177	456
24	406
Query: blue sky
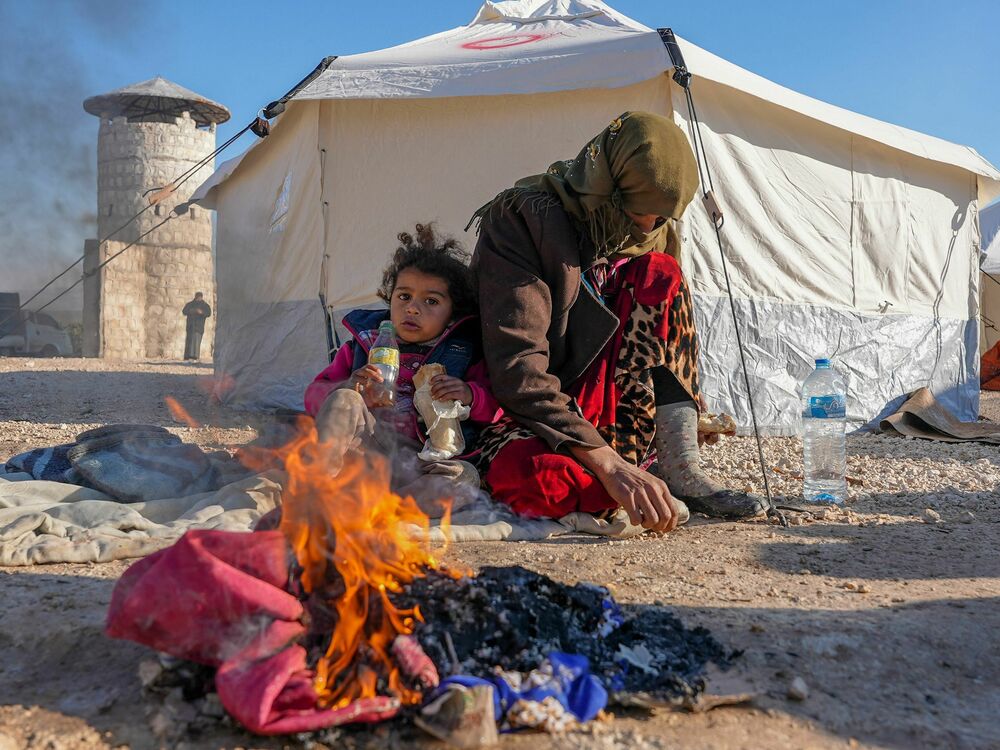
925	65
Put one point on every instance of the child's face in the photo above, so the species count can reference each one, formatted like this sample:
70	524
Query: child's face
420	308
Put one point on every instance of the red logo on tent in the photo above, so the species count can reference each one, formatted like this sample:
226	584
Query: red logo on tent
499	42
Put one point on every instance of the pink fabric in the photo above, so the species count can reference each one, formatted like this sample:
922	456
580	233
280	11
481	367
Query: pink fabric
219	598
275	695
332	378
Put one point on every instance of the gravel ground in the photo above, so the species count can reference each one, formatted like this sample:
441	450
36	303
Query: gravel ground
886	609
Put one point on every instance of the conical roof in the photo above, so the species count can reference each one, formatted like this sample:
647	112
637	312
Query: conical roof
157	96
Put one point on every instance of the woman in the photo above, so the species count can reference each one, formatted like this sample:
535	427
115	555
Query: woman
589	336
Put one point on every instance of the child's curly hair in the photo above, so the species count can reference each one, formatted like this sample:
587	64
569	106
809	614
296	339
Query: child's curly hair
442	257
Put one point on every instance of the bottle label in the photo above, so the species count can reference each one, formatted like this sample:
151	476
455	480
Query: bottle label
827	407
384	355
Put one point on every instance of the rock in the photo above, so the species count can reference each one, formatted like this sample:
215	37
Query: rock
161	724
149	672
966	517
930	516
7	742
798	690
212	707
849	585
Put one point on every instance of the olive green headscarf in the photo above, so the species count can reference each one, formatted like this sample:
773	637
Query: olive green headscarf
641	162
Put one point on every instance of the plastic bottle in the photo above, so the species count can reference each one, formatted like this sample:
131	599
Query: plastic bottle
824	421
384	354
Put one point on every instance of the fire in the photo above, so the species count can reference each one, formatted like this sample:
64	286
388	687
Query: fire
350	535
179	413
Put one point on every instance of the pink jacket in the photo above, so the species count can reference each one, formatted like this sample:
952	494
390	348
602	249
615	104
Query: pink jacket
484	408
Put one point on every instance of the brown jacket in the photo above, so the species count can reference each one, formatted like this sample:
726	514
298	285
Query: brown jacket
541	326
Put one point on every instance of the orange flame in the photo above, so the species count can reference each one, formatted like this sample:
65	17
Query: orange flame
179	413
353	539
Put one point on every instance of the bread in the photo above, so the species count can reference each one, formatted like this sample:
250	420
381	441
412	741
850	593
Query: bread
444	429
721	424
426	373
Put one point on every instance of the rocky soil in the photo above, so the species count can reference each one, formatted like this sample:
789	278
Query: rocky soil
872	626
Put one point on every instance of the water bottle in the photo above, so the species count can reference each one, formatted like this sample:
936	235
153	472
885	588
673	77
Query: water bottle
824	421
384	354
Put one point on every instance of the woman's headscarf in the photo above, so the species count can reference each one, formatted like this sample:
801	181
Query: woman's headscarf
641	162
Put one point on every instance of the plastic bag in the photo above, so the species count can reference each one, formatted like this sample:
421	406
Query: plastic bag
443	418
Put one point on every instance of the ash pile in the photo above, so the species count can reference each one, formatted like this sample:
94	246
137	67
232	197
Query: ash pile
512	618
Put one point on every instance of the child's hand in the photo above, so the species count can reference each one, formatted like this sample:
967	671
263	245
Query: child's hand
447	388
362	381
366	375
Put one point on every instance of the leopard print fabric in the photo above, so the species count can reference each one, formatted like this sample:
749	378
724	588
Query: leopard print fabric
631	436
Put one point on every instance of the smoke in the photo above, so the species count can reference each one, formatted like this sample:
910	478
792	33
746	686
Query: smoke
48	156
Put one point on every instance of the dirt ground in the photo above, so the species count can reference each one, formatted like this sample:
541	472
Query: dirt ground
888	615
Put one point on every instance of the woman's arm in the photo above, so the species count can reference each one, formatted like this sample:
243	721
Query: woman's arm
515	307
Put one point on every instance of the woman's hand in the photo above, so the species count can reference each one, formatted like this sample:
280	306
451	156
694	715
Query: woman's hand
447	388
645	497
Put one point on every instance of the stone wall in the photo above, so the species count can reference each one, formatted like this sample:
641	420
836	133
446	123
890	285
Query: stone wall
173	275
175	260
123	302
91	299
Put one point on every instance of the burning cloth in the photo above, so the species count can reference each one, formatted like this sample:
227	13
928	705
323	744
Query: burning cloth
342	613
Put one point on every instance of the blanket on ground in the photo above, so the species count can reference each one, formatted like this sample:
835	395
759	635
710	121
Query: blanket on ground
131	463
922	416
53	522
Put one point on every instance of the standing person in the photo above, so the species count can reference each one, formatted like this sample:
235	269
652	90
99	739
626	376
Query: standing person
195	311
589	337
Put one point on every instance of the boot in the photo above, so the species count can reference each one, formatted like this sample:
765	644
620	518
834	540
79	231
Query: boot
679	466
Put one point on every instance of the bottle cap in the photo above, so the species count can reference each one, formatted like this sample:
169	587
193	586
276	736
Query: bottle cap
822	363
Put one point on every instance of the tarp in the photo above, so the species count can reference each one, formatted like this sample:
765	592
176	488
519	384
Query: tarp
841	231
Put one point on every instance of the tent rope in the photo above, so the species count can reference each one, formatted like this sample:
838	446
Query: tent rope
87	274
154	196
683	78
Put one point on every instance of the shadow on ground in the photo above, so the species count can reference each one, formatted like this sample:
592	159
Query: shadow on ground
924	674
896	552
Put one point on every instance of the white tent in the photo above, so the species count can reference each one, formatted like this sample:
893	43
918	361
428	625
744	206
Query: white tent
989	223
847	237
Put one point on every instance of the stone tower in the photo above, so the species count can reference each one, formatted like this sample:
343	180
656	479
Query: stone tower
150	134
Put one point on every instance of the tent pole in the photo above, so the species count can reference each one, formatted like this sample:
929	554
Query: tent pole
682	76
276	107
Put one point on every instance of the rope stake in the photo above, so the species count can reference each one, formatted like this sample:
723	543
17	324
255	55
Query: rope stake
682	76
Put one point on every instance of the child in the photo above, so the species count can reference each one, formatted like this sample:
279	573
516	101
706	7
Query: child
431	306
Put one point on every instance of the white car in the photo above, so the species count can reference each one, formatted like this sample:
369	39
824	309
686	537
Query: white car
37	334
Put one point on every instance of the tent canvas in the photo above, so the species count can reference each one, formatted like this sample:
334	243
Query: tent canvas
989	224
846	237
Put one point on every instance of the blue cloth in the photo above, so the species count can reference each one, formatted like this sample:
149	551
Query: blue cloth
565	677
51	464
